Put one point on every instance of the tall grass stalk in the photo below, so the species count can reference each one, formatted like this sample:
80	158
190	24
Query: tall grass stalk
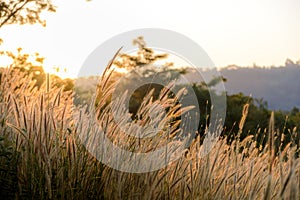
45	158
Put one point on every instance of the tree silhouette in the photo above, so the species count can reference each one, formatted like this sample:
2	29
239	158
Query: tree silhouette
145	56
143	61
24	11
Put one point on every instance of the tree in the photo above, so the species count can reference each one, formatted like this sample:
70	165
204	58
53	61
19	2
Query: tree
145	56
24	11
143	63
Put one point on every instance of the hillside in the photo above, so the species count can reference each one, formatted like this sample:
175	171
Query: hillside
279	86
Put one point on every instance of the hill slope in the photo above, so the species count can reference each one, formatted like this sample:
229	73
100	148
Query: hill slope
279	86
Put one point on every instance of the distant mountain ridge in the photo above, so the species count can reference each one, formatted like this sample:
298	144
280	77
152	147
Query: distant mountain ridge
279	86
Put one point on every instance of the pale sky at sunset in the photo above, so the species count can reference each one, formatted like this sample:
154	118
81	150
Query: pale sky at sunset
265	32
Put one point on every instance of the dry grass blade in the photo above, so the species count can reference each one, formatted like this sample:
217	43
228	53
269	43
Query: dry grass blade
50	158
271	142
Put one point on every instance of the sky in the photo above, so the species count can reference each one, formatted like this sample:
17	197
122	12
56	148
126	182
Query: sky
264	32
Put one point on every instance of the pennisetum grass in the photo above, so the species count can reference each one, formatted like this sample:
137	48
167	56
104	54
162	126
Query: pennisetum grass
51	160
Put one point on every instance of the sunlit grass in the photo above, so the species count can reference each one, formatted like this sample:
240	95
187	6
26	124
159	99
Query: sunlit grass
42	156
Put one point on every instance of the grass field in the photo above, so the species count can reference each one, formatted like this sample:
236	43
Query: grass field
43	157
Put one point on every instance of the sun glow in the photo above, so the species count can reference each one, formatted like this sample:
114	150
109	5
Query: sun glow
231	32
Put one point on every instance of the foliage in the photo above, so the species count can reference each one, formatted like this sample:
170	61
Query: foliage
145	56
24	11
142	67
257	118
8	166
